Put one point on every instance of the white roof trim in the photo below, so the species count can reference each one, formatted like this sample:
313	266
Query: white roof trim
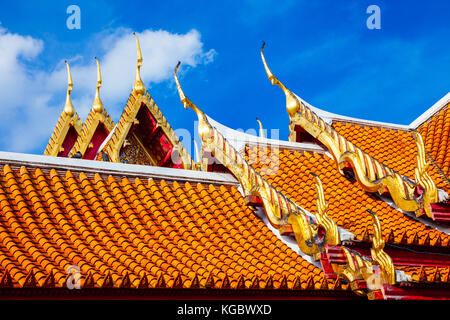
431	111
240	139
328	117
112	168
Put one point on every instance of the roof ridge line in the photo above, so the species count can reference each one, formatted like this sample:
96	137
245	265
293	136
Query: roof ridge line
441	103
112	168
330	116
233	135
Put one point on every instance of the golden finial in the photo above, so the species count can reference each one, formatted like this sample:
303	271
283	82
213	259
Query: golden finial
292	103
377	252
324	220
261	130
204	128
138	86
98	105
68	108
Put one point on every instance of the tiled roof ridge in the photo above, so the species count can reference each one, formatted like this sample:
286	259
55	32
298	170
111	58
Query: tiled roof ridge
430	112
115	169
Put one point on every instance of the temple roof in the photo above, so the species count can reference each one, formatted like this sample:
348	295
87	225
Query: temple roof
124	228
346	205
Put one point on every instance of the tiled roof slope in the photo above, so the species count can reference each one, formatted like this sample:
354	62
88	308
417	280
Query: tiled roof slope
120	230
426	274
347	202
435	132
396	148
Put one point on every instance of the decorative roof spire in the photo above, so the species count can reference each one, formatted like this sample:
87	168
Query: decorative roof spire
98	104
138	86
204	128
292	103
68	108
261	130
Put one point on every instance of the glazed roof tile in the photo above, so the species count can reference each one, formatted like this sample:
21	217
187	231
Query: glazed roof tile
396	148
130	232
347	203
435	132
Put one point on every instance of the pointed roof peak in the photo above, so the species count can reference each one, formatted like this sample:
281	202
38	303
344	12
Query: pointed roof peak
98	104
138	86
68	108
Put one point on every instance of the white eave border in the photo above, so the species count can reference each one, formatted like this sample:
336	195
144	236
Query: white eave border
117	169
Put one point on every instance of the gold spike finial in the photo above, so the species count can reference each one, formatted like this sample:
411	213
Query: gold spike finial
270	75
204	128
292	103
184	100
68	108
98	104
261	130
138	86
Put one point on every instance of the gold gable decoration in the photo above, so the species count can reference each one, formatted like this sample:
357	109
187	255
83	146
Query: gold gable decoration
372	175
97	116
123	145
68	120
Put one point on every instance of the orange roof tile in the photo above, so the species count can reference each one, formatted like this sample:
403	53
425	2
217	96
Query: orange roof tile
394	148
347	203
126	232
435	132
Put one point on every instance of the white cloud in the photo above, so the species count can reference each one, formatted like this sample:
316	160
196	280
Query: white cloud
28	110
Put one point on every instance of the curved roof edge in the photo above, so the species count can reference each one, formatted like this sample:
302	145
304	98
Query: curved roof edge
239	140
431	111
329	117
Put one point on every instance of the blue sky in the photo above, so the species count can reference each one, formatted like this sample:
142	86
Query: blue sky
322	50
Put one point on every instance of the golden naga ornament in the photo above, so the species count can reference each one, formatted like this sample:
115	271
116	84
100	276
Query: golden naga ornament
358	268
380	257
372	175
323	220
280	210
